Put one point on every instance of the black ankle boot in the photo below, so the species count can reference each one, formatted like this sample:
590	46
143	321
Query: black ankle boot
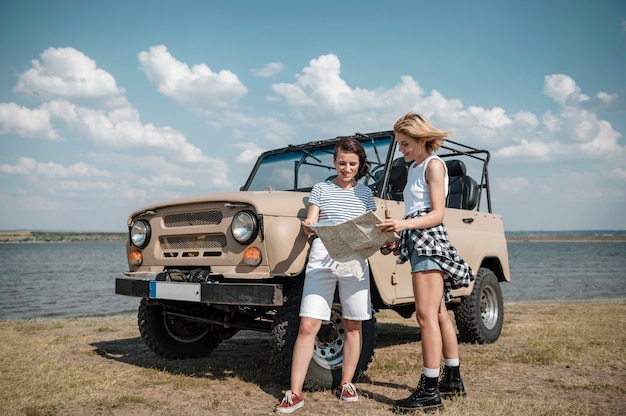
451	384
425	397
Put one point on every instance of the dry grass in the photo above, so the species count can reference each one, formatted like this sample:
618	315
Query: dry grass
552	359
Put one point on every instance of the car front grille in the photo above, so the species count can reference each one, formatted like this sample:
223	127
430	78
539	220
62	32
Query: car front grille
190	219
193	242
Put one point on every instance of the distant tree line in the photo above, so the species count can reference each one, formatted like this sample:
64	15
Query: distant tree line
59	236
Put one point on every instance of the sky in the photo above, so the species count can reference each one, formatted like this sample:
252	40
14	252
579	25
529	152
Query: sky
106	107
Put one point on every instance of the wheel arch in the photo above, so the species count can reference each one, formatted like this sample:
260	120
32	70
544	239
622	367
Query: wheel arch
494	264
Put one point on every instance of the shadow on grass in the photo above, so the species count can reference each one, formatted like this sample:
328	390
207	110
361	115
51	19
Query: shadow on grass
396	334
246	356
363	390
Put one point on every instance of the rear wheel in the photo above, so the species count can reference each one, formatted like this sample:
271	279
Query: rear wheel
480	315
326	365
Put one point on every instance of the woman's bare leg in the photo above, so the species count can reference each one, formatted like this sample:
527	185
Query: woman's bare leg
448	333
303	352
428	291
351	350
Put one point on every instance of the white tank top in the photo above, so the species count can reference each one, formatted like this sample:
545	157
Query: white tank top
417	192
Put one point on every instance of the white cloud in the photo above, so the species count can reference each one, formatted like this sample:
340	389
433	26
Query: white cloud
29	166
320	98
579	136
564	90
197	88
551	122
574	133
250	152
319	102
87	186
216	173
70	74
119	128
516	185
165	180
269	70
293	94
526	149
604	142
155	170
494	118
525	117
321	85
272	130
126	132
26	122
320	95
66	77
618	173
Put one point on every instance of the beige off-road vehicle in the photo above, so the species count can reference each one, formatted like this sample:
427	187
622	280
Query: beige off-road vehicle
208	266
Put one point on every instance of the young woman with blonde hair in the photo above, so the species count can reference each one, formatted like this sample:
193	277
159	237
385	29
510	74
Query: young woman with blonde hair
435	264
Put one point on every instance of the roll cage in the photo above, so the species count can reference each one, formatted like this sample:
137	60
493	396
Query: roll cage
299	167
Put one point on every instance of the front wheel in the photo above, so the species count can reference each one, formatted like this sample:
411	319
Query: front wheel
172	336
480	315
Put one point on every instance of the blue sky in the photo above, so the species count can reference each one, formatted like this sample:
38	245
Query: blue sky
108	106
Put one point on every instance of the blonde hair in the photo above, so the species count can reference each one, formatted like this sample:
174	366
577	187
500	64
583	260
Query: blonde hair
417	127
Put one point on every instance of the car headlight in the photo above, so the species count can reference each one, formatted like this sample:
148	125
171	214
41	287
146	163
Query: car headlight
245	227
140	233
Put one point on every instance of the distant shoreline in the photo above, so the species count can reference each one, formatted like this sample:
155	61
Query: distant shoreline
79	236
567	238
60	236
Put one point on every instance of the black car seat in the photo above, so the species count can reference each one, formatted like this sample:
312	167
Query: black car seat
462	189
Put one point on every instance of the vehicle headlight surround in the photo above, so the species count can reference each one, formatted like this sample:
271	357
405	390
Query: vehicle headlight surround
139	233
245	227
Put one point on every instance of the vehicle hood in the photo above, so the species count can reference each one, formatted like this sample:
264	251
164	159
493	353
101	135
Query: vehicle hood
278	203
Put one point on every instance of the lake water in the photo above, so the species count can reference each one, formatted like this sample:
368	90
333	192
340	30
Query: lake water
78	279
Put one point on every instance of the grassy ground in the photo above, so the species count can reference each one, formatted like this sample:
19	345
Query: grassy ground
552	359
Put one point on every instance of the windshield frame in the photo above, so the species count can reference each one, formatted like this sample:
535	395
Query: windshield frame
317	155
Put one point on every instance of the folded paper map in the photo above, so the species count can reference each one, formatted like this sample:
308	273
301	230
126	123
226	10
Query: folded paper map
355	238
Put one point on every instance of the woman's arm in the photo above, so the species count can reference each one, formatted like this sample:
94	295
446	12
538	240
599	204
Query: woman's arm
312	217
435	177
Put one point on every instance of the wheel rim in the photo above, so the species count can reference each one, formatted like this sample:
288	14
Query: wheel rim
328	350
489	307
184	331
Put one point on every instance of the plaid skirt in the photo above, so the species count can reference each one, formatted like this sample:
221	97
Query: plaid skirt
434	243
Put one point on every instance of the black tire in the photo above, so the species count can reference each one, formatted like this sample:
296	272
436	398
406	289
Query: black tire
325	368
480	315
285	329
173	337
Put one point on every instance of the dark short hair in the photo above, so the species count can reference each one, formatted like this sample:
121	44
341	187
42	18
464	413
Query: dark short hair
352	145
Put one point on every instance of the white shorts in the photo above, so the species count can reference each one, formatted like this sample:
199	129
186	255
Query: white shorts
323	275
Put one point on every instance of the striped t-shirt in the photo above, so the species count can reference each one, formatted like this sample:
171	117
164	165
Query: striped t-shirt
339	204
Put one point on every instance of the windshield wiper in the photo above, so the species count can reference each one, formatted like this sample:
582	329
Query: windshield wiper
306	152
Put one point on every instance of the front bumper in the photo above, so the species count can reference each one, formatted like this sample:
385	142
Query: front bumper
239	294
